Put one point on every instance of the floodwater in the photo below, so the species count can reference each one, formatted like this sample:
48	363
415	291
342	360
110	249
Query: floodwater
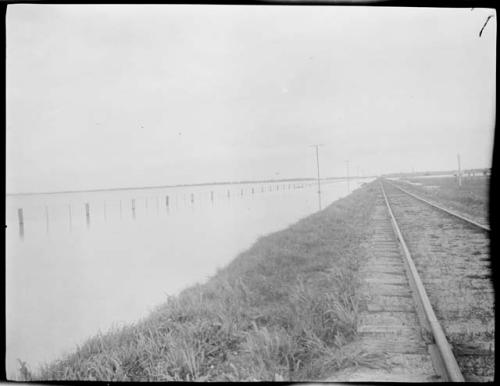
69	275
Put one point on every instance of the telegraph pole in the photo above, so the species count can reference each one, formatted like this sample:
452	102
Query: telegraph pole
459	171
319	184
348	188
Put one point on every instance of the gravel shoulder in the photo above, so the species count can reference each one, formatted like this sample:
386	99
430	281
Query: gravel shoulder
471	199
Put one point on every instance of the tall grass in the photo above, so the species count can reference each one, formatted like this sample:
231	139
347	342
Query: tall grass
283	310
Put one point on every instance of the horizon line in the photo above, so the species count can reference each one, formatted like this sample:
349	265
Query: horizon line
223	183
163	186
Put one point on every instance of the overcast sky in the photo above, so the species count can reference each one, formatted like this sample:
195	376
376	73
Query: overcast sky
113	96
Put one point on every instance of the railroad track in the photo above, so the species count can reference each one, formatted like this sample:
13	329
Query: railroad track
428	300
451	254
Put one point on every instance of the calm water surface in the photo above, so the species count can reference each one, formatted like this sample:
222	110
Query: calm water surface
70	275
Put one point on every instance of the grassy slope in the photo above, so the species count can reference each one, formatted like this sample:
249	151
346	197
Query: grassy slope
472	198
281	310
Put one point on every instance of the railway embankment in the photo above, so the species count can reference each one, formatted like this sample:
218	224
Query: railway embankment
328	298
283	310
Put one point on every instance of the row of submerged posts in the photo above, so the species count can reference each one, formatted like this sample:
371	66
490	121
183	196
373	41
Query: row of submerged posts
133	207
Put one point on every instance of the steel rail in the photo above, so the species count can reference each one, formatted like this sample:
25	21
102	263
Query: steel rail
451	369
468	220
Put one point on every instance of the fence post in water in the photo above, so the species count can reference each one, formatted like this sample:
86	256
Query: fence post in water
133	208
21	222
166	201
47	217
459	175
120	209
70	222
87	213
212	196
242	192
105	210
253	191
228	194
192	198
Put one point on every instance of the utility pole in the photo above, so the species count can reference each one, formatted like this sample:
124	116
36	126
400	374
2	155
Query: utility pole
319	184
348	188
459	172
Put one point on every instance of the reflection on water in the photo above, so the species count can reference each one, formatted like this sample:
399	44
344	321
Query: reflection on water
77	263
21	222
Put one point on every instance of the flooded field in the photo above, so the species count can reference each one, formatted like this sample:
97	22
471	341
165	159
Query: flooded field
70	275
